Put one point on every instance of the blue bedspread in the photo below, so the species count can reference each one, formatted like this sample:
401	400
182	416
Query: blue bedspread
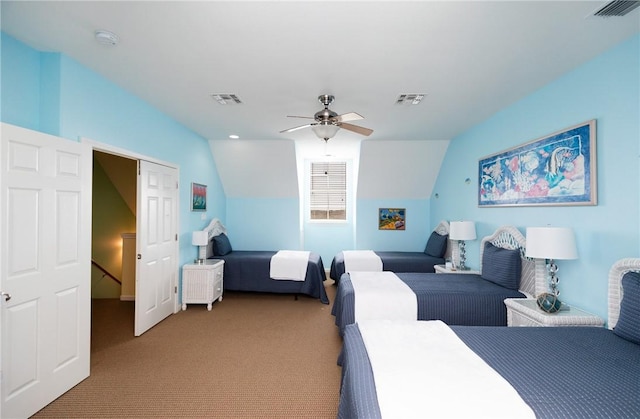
560	372
392	261
456	299
250	271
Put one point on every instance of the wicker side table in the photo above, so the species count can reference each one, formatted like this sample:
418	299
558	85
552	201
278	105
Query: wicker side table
525	312
202	283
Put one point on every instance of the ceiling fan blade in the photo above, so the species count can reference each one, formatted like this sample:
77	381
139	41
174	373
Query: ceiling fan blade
356	129
350	116
295	128
296	116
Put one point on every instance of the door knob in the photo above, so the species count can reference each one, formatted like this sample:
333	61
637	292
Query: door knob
5	295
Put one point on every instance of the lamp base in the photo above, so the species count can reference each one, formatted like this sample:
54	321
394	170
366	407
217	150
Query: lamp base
198	261
549	303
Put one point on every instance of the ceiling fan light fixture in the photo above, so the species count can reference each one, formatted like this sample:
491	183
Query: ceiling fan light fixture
327	123
325	130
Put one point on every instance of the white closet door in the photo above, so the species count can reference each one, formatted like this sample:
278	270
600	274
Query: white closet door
45	267
157	241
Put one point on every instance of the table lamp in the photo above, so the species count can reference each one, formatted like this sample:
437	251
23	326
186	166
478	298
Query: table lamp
461	231
551	243
200	239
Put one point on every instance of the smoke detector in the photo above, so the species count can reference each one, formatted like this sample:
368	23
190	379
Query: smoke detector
106	38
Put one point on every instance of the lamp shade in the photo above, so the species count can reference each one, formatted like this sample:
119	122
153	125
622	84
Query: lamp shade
325	130
462	230
200	238
551	243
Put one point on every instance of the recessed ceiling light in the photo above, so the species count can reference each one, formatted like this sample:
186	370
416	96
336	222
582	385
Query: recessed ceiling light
106	37
234	136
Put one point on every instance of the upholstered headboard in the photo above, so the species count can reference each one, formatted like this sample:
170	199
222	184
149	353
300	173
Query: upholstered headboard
617	271
533	279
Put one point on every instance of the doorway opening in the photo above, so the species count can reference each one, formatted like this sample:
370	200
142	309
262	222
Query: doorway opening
113	239
113	248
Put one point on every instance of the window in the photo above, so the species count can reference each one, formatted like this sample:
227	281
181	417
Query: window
328	191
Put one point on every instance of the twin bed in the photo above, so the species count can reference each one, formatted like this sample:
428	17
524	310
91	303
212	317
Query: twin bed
435	252
251	270
461	299
246	270
544	372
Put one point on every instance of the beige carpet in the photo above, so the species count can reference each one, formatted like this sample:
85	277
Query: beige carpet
252	356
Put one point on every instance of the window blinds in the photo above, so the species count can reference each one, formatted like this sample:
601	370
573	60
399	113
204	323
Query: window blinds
328	190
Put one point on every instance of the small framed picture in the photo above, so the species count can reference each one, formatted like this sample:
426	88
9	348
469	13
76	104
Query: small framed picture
198	197
391	218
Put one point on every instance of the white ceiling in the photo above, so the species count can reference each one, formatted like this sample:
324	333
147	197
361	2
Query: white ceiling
257	169
471	58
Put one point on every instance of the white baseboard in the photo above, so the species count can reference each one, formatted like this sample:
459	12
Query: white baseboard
127	298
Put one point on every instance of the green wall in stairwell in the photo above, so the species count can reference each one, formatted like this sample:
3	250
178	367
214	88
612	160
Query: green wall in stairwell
111	218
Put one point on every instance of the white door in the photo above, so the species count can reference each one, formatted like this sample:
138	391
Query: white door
157	244
45	267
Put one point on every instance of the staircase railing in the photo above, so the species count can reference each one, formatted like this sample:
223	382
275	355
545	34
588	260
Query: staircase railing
105	272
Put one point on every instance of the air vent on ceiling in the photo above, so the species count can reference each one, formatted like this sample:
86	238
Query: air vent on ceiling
616	8
226	99
410	99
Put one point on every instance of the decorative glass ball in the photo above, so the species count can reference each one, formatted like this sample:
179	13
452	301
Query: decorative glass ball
549	302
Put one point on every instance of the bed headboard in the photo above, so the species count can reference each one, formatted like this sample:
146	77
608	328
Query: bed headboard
443	229
617	271
214	228
533	277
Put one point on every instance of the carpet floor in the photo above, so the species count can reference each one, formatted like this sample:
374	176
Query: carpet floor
252	356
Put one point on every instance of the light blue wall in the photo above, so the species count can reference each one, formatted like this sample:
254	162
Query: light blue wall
263	224
50	88
54	94
606	89
20	87
271	224
412	239
328	239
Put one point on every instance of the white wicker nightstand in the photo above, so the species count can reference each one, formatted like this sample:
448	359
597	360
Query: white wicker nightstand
202	283
525	312
442	269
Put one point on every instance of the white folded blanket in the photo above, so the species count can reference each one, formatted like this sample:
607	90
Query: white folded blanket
422	368
290	265
382	295
361	260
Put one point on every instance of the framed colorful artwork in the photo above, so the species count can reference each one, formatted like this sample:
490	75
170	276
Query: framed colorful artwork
198	197
391	218
559	169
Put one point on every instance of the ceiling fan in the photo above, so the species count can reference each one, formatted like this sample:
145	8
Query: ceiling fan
327	123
